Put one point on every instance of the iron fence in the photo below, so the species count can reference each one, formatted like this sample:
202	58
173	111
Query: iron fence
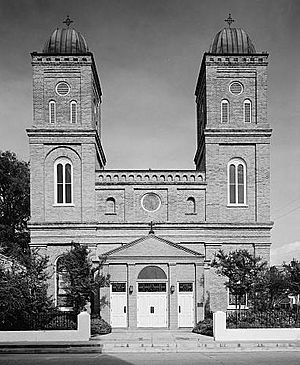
49	321
269	319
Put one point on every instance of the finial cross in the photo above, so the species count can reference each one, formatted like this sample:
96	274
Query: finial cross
229	20
68	21
151	224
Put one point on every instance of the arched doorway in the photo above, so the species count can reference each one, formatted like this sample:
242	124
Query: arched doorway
152	298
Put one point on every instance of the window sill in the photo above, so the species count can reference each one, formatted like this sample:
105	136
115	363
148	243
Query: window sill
233	307
110	213
63	205
237	206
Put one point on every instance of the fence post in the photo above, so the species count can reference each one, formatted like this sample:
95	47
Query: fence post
84	326
219	325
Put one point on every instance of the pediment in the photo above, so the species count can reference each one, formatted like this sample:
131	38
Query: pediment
152	246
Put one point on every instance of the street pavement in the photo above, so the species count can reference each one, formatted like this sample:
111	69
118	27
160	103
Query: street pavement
242	358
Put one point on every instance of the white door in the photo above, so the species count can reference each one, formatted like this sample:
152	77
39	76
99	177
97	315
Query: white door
185	305
152	305
118	305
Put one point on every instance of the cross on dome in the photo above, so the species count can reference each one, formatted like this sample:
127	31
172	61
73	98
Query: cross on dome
68	21
229	20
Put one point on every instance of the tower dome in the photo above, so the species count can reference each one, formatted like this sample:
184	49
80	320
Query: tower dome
232	40
66	40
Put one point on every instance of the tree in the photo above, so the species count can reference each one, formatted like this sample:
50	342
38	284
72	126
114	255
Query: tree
293	279
14	205
242	269
23	292
80	278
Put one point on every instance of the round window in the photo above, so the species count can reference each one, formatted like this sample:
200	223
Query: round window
236	88
151	202
62	88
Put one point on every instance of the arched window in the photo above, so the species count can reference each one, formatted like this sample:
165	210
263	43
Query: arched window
190	205
52	111
110	206
152	273
62	298
63	181
237	179
247	111
225	111
73	112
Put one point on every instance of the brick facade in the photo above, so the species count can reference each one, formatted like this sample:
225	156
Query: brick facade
193	219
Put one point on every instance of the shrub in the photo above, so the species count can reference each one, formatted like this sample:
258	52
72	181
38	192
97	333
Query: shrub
204	327
99	326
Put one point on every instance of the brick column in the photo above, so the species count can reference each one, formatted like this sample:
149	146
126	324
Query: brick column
199	292
132	298
173	298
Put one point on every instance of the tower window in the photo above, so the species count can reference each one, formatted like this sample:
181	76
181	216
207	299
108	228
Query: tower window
63	173
236	88
247	111
236	182
225	111
73	112
62	88
52	111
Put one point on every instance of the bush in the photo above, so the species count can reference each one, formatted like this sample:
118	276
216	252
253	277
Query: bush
99	326
204	327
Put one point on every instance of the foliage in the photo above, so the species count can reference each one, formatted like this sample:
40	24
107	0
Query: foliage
99	326
23	291
270	289
274	318
14	205
293	277
242	270
205	327
80	278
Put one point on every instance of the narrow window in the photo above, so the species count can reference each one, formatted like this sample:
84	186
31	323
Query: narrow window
110	206
63	299
63	181
52	111
73	112
191	205
247	111
236	182
225	111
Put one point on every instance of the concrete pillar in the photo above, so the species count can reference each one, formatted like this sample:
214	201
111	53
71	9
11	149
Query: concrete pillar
173	298
132	298
84	326
219	325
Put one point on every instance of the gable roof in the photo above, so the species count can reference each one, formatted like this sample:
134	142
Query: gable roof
152	246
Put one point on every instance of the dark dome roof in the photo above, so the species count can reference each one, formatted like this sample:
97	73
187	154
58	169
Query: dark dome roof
232	40
66	41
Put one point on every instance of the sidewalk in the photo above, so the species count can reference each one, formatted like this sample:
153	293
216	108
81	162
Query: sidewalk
181	341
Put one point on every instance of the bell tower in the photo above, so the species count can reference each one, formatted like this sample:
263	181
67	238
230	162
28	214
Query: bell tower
233	133
65	138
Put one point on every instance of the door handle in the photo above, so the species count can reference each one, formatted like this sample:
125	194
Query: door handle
124	308
179	309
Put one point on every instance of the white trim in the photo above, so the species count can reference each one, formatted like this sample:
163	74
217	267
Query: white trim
236	162
225	102
63	161
238	82
52	102
247	101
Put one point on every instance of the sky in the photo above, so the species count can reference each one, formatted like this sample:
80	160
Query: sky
148	55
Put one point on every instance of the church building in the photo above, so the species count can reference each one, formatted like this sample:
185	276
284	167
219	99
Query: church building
160	272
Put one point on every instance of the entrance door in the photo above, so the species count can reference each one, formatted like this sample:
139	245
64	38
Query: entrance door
118	305
185	305
152	305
